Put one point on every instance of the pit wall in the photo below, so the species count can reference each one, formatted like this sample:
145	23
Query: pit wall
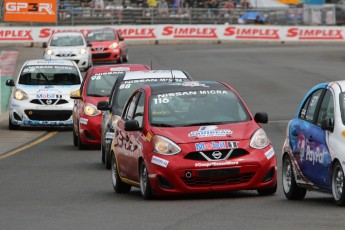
186	33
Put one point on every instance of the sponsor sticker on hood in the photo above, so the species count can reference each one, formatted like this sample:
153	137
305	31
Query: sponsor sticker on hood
210	131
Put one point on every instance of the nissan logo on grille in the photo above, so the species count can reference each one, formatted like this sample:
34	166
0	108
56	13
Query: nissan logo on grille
217	154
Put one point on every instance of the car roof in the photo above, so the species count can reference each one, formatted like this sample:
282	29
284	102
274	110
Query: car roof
64	33
119	67
341	84
102	30
159	88
50	62
154	74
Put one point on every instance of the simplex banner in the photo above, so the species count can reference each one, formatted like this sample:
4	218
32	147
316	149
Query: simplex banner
187	32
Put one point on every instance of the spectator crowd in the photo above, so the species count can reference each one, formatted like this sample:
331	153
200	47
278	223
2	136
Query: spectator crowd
165	8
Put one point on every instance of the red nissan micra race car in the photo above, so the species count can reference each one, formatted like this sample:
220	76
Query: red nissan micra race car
107	45
191	137
96	86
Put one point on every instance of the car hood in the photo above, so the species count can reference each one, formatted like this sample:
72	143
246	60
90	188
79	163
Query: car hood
102	43
191	134
66	49
47	89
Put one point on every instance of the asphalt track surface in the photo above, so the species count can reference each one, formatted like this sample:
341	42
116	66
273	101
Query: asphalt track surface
52	185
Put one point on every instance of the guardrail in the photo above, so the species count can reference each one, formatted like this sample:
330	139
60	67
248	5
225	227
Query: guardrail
72	16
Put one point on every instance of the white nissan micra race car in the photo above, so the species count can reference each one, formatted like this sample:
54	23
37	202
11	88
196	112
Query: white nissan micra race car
71	46
41	94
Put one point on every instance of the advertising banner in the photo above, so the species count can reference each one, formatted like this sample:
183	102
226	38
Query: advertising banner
30	11
187	32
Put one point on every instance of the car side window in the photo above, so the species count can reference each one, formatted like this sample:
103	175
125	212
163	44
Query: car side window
327	108
139	110
130	107
311	105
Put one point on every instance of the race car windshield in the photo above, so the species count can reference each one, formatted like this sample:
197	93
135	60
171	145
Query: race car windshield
100	84
49	75
195	108
101	36
126	88
67	41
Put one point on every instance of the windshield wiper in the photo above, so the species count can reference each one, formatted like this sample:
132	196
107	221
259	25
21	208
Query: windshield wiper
162	125
95	95
204	123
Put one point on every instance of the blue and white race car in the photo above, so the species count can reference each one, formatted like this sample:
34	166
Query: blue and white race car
41	94
313	152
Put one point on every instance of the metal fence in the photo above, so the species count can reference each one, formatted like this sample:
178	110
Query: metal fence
124	16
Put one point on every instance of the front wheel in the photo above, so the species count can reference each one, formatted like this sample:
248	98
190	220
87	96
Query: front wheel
107	157
338	184
118	185
75	138
290	187
12	126
145	186
268	191
126	59
81	145
120	61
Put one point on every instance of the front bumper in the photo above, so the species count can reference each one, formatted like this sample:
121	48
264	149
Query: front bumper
90	129
82	60
171	175
106	55
32	115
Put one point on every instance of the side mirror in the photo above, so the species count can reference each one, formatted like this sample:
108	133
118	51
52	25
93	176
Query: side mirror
261	118
328	124
75	94
103	105
44	45
121	38
132	125
89	44
10	82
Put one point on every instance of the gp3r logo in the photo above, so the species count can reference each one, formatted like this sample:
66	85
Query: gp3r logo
29	7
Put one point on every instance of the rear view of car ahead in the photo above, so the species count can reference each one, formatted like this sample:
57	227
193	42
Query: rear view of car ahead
97	85
191	137
124	86
69	46
107	45
313	151
41	94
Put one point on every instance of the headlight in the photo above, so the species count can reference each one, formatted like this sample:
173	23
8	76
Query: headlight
91	110
49	52
83	51
113	45
165	146
259	140
20	95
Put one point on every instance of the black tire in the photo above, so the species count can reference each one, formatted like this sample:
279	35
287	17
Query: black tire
12	126
75	138
290	187
145	186
126	59
267	191
338	189
107	157
120	61
118	185
81	145
103	153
